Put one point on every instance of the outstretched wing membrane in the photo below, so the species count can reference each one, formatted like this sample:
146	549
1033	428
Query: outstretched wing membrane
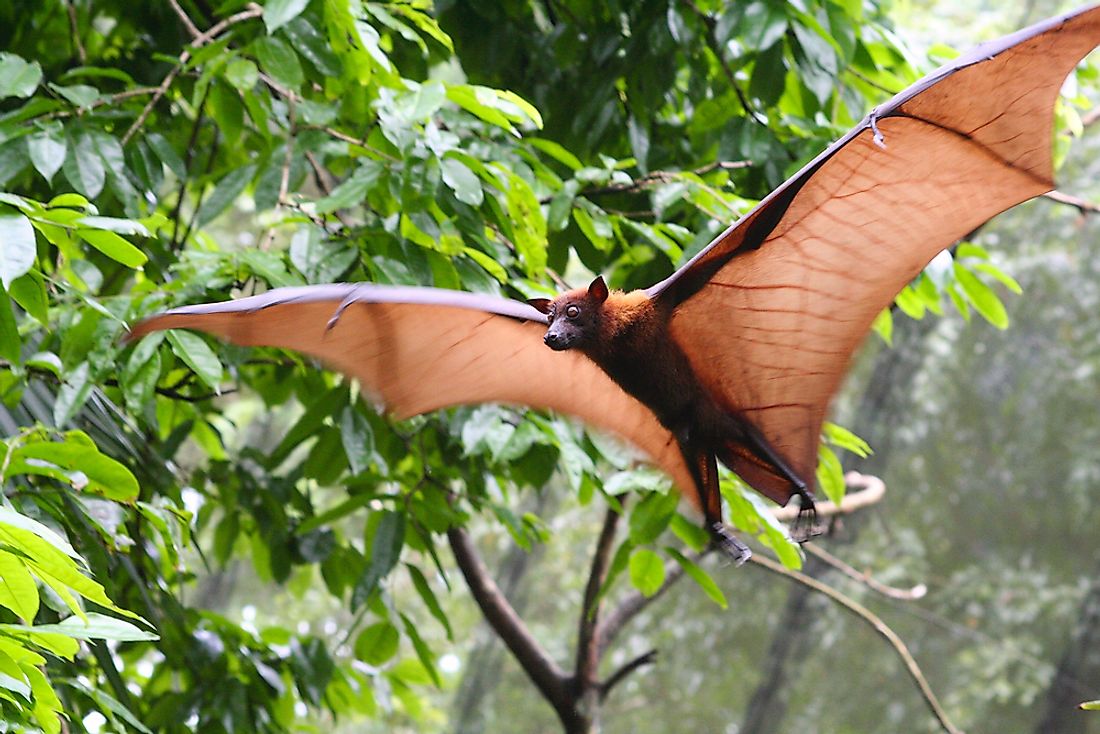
771	312
420	349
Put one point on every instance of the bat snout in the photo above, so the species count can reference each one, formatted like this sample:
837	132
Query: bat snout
556	341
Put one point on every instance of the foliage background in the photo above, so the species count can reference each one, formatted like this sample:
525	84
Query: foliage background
285	542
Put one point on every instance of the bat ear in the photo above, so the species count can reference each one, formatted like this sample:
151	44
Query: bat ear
597	289
541	304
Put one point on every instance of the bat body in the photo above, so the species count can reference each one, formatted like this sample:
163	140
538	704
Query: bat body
736	355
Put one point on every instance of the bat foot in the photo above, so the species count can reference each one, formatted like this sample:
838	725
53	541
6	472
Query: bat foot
729	544
805	525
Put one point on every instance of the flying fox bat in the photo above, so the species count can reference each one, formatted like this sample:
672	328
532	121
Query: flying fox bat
736	355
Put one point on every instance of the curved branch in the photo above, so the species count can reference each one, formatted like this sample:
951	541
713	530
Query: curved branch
1081	205
871	492
540	668
866	579
879	626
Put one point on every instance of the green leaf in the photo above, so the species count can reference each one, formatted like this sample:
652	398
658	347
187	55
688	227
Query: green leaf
389	538
651	516
423	652
280	60
982	297
84	167
98	627
845	439
19	528
377	644
197	355
224	194
17	249
102	474
462	181
11	346
18	590
242	74
278	13
429	598
18	78
29	291
114	247
700	577
47	150
830	474
79	95
647	571
883	325
1090	705
75	389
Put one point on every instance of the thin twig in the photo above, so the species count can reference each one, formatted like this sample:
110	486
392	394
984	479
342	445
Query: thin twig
74	29
253	11
876	622
866	579
617	677
186	20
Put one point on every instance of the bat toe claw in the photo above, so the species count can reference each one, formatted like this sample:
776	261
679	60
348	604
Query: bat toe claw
729	544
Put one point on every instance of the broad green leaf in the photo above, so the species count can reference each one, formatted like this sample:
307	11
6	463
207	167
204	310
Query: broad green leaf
197	355
109	704
29	291
84	167
47	150
18	591
47	707
79	95
1090	705
15	528
114	247
18	78
647	571
377	644
98	627
17	248
462	181
278	13
104	475
491	266
651	516
700	577
242	74
280	60
61	645
224	194
114	224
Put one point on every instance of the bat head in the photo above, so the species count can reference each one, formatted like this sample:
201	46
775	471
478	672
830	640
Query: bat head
574	316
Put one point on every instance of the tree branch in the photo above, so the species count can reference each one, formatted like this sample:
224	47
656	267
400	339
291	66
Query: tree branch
617	677
634	602
1081	205
867	580
876	622
871	491
588	634
252	11
540	668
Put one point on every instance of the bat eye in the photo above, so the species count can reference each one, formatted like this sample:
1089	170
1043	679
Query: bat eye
573	312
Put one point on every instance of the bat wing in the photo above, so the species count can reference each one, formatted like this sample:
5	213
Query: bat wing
772	310
420	349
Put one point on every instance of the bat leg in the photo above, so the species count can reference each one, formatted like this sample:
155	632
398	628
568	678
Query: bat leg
805	525
704	470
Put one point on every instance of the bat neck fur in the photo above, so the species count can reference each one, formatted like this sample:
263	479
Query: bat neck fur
623	311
